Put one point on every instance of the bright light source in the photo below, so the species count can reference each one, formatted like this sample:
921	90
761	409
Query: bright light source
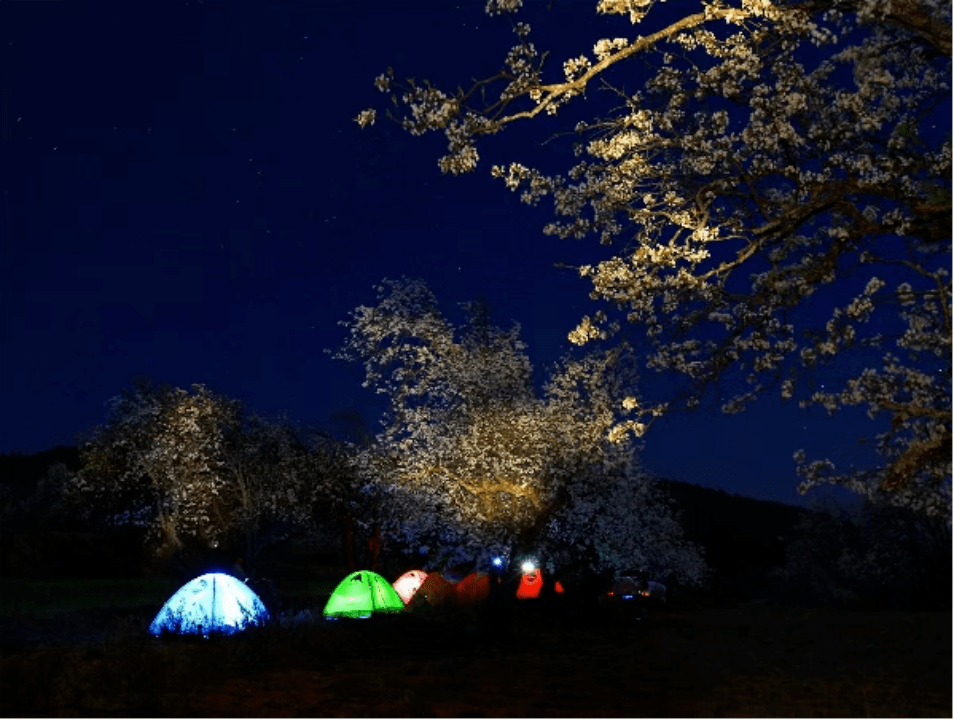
498	562
528	566
213	602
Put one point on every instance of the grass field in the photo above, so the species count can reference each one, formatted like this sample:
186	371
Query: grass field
44	598
745	661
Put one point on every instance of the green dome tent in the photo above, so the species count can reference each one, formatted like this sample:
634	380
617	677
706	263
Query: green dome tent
362	593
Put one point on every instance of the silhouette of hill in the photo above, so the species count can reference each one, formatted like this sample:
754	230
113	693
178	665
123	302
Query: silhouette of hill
743	537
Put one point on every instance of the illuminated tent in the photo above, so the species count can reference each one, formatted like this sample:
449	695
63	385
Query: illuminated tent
211	603
531	583
473	589
408	584
434	591
655	591
362	593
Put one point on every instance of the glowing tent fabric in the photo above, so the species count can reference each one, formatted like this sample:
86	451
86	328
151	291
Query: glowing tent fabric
362	593
408	584
531	583
211	603
435	591
473	589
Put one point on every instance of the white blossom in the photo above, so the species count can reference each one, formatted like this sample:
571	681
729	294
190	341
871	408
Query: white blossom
473	462
192	468
365	118
769	148
496	7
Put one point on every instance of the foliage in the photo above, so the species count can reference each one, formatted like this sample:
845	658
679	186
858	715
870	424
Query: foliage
774	149
274	482
471	463
31	489
880	555
44	507
618	519
195	470
18	469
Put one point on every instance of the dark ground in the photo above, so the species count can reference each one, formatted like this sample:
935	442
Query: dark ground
753	660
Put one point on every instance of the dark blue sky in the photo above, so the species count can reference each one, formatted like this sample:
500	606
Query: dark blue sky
187	196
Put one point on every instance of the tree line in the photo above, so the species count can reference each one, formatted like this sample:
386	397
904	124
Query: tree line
471	462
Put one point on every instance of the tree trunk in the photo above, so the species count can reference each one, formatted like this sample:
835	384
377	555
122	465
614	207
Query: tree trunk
374	548
347	541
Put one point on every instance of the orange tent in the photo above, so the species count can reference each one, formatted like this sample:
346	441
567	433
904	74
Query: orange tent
473	589
435	590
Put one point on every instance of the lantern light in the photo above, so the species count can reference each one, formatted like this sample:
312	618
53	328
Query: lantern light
528	567
498	562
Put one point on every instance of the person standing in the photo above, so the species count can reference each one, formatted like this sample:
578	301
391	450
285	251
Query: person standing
238	570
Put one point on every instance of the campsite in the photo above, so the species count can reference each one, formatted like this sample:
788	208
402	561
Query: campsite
67	652
390	359
88	629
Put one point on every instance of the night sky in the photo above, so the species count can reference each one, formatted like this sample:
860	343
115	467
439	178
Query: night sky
186	196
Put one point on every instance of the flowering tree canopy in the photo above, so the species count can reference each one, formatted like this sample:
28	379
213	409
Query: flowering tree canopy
274	481
472	463
777	152
194	468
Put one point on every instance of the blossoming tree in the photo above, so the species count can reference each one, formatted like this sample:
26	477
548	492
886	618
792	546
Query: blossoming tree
778	155
471	462
194	469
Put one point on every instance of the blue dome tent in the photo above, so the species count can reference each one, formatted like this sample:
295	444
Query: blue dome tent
211	603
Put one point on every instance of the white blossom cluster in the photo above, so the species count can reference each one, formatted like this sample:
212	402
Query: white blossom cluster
619	521
917	448
773	148
574	67
604	48
193	468
497	7
636	9
185	462
472	463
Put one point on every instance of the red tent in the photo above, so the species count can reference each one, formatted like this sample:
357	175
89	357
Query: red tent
530	585
435	590
473	589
